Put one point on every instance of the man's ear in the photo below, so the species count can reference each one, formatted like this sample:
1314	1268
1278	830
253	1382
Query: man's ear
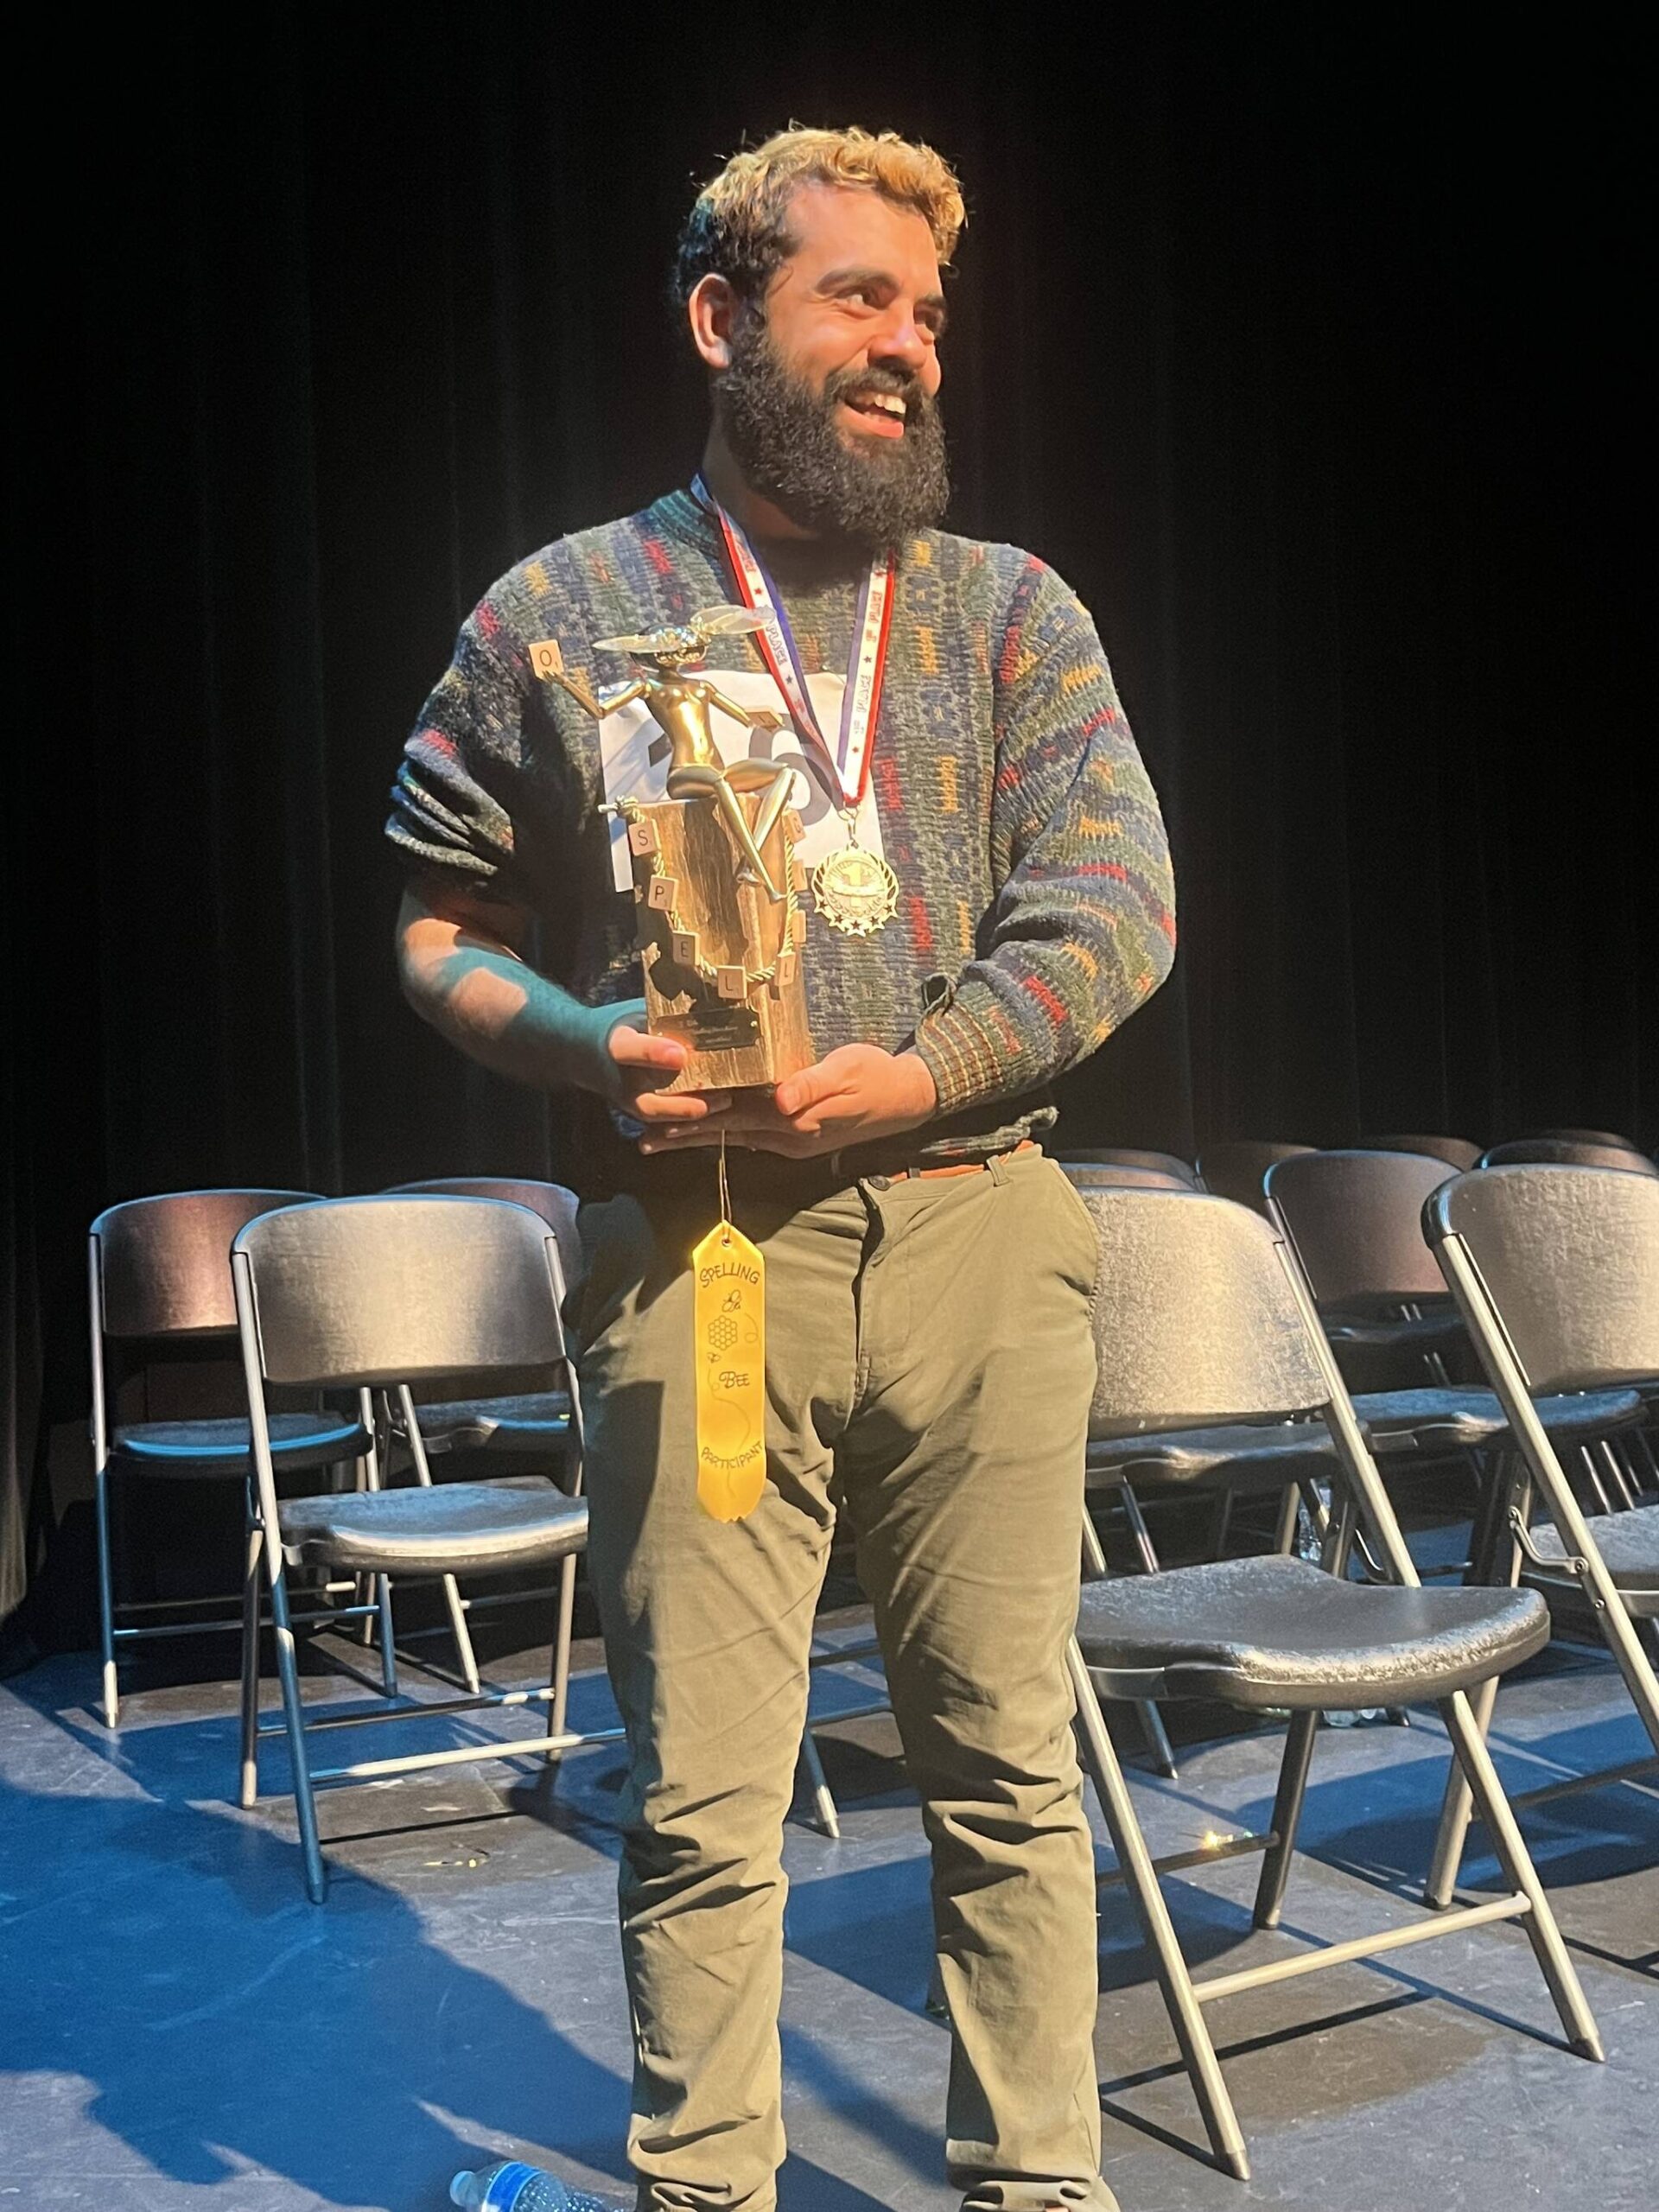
712	312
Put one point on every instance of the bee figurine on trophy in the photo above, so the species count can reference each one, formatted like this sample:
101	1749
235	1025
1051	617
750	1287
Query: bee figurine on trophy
715	880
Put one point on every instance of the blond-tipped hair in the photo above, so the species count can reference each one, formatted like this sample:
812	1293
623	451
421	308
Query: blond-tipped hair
739	228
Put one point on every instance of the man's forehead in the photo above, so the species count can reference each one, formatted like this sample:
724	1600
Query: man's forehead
835	223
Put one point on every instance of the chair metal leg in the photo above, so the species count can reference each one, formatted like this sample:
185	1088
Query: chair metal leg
248	1793
1287	1816
1198	2052
305	1804
388	1647
463	1641
1571	2004
110	1685
1284	1532
1494	1561
1158	1743
562	1634
1137	1520
1163	1751
824	1798
1457	1810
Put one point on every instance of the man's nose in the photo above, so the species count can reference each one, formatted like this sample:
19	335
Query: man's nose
901	341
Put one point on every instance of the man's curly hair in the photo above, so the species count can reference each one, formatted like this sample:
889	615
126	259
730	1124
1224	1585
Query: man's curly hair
739	228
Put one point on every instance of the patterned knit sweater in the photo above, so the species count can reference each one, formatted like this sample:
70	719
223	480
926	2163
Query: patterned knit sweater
1036	905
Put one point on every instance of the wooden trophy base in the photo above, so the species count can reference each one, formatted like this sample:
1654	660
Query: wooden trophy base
722	961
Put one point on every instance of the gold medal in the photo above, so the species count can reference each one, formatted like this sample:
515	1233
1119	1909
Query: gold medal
855	891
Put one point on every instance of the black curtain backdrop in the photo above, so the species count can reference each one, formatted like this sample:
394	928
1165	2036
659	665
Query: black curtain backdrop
1298	339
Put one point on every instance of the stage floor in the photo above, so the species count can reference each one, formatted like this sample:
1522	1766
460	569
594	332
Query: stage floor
182	2030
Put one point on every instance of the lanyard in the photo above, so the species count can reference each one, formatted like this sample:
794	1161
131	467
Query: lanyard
848	763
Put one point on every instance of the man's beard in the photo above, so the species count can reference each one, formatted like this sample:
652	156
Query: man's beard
785	439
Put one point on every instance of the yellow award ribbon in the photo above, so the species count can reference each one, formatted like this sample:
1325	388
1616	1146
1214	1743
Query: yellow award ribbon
728	1276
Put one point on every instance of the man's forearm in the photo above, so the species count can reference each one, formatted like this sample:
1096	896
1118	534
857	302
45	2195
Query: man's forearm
496	1010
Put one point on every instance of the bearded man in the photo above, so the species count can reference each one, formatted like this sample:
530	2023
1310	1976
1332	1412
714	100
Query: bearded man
929	1359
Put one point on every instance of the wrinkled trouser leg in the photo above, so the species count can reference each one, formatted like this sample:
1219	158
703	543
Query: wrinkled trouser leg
928	1344
707	1628
962	1472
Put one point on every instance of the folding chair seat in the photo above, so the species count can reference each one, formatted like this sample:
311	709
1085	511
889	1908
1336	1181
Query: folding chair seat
216	1448
1203	1319
1555	1267
528	1424
456	1528
1629	1545
159	1272
389	1294
1261	1633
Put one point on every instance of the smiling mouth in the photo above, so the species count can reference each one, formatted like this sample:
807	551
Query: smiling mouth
882	413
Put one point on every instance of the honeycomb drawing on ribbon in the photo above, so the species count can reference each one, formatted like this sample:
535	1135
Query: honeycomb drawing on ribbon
722	1333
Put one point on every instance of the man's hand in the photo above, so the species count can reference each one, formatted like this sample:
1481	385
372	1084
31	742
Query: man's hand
640	1062
853	1095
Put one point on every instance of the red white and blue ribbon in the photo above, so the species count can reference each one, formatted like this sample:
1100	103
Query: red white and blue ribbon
848	761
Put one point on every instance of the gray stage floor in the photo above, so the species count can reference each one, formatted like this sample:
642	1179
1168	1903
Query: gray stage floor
181	2030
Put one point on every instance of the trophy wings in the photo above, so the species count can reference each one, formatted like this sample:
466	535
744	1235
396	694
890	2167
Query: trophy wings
708	622
724	621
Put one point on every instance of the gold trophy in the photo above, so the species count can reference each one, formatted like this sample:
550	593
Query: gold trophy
715	881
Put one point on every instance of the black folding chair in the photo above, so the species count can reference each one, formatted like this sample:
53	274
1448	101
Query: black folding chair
1556	1270
376	1294
159	1277
1201	1318
532	1425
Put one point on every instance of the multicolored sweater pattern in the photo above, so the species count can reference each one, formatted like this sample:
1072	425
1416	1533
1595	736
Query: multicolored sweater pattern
1036	904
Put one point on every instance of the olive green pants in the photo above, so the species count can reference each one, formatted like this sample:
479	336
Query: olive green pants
929	1368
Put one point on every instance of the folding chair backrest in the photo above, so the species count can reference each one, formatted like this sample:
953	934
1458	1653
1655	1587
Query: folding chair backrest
1459	1154
1108	1175
1355	1220
1195	1319
1569	1257
362	1291
1160	1163
556	1205
1588	1136
1567	1152
1238	1170
161	1266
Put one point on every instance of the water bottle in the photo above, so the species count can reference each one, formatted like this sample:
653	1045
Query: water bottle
515	2187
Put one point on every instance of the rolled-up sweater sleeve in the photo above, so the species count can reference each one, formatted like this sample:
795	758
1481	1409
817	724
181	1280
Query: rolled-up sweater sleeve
1082	928
454	798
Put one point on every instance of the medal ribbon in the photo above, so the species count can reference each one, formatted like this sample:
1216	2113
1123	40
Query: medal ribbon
848	763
